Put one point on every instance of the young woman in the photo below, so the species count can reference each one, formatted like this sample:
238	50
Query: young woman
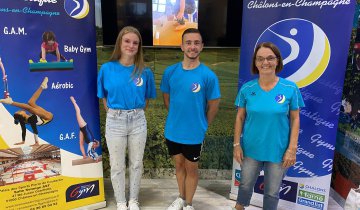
125	85
268	119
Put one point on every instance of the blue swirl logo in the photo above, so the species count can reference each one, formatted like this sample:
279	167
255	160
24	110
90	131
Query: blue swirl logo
77	9
304	46
280	98
195	87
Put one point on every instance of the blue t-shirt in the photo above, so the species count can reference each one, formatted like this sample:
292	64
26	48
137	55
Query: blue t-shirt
121	89
189	92
266	131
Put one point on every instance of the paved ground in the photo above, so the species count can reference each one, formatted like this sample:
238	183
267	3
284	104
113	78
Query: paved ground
157	194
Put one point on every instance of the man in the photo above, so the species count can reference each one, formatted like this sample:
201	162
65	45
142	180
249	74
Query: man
191	95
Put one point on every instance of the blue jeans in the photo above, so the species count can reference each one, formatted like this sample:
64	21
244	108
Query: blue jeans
126	129
273	175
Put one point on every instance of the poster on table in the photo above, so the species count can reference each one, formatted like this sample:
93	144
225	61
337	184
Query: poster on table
50	151
313	37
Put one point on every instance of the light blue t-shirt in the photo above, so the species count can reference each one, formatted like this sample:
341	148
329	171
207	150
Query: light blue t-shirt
121	89
266	131
189	92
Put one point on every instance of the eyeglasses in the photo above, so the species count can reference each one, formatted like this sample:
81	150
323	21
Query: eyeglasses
270	59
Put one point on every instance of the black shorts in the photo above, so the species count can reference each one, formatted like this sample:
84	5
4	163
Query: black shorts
190	151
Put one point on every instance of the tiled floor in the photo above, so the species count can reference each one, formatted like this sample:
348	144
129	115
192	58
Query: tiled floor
157	194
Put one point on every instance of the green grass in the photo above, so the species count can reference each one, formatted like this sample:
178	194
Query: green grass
217	153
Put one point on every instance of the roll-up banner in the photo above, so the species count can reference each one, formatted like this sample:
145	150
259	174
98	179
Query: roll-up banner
313	37
50	152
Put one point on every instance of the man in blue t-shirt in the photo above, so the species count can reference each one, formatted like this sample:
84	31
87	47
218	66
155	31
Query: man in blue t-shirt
191	95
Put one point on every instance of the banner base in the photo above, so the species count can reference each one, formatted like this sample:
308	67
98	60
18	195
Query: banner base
92	206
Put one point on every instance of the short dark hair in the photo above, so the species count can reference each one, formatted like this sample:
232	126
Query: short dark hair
276	51
189	31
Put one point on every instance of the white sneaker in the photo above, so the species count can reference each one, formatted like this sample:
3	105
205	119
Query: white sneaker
134	205
44	83
178	204
188	207
121	206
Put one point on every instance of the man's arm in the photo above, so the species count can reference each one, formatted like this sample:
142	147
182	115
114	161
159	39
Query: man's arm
212	109
166	98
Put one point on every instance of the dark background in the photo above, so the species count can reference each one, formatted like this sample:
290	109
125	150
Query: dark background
219	20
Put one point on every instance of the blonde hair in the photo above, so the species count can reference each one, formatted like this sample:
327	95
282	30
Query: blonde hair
139	57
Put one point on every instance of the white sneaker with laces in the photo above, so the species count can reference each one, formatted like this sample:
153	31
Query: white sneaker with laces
178	204
134	205
188	207
121	206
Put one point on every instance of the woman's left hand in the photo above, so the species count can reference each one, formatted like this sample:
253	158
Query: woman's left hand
289	158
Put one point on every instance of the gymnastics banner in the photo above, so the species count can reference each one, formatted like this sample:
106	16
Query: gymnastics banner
50	151
313	37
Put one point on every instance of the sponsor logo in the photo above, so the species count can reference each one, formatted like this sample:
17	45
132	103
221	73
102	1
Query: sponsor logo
195	87
312	204
253	94
312	188
237	177
81	191
311	196
288	190
304	46
77	9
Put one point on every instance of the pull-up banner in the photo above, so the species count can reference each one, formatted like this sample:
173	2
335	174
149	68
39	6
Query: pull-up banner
50	151
313	37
